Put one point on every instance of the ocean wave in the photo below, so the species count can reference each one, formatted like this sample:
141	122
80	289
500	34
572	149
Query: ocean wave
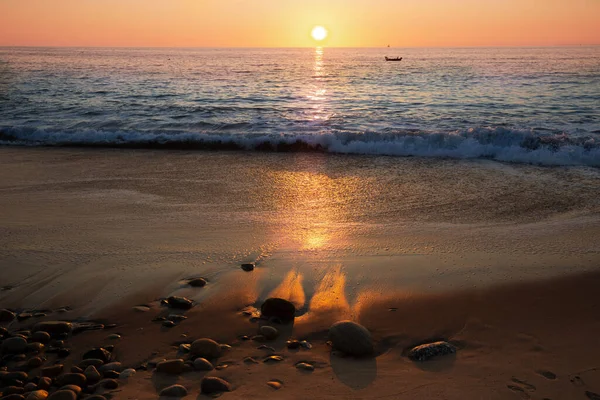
501	144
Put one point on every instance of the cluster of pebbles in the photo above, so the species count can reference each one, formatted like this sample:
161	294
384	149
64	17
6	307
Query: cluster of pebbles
33	361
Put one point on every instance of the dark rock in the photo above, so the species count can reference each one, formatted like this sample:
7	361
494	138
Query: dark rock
174	391
3	332
269	332
176	317
110	348
63	395
351	338
72	379
13	390
111	374
30	387
98	353
212	384
34	362
126	374
275	384
13	397
181	303
39	315
37	395
174	367
279	308
96	362
6	315
198	282
428	351
273	359
74	388
169	324
44	383
250	360
91	374
61	336
202	364
113	366
248	267
205	348
14	345
24	316
305	366
76	370
52	371
41	337
35	347
54	327
12	382
19	375
293	344
108	384
63	353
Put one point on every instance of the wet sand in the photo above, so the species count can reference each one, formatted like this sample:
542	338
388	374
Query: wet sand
499	259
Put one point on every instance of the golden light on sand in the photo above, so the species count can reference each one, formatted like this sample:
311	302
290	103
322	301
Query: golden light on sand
319	33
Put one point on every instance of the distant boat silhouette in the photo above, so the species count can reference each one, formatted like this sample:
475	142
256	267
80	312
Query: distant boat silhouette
393	59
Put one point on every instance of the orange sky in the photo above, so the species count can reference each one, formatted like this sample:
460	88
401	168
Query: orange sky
287	23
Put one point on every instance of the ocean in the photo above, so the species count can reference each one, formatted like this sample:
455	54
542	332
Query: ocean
521	105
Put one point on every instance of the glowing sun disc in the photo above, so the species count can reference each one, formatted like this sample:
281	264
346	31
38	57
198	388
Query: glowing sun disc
319	33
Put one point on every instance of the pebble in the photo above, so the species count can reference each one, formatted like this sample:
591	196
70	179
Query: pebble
225	347
185	348
73	379
63	395
113	366
212	384
74	388
351	338
278	308
12	390
53	327
126	374
111	374
248	267
113	336
265	347
19	375
99	353
179	302
250	360
272	359
176	317
92	374
35	347
75	369
13	397
202	364
108	384
96	362
52	371
269	332
174	391
206	348
24	316
44	383
293	344
173	367
41	337
428	351
305	366
63	353
37	395
169	324
14	345
6	315
275	384
34	362
141	308
30	387
198	282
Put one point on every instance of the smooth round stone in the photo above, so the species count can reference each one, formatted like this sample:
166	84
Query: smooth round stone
248	267
169	324
212	384
41	337
202	364
113	366
174	367
37	395
34	362
275	384
351	338
53	327
30	387
19	375
63	395
174	391
198	282
99	353
92	374
126	374
305	366
206	348
52	371
44	383
111	374
13	390
76	370
74	388
185	348
35	347
141	308
73	379
278	308
428	351
108	384
7	315
14	345
269	332
92	361
114	336
179	302
13	397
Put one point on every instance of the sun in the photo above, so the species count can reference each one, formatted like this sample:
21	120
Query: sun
319	33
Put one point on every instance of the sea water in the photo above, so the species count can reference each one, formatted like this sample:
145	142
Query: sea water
524	105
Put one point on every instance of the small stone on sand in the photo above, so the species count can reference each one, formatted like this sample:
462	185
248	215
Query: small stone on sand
41	337
113	366
248	267
53	327
305	366
52	371
141	308
250	360
351	338
275	384
73	379
202	364
269	332
169	324
7	315
212	384
198	282
181	303
37	395
174	391
185	348
14	345
92	374
126	374
63	395
113	336
273	359
206	348
74	388
174	367
279	308
99	353
108	384
428	351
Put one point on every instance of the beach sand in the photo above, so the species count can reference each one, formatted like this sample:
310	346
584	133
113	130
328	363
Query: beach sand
501	260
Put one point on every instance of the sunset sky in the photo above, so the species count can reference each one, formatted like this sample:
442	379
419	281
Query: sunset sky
288	23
